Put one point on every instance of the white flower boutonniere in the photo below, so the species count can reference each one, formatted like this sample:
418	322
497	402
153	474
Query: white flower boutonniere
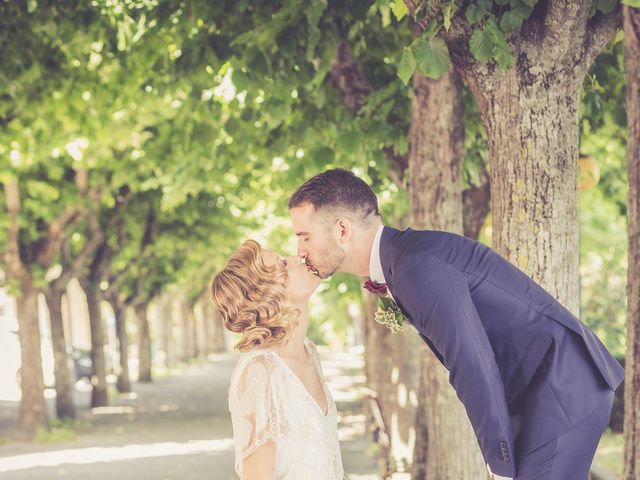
388	312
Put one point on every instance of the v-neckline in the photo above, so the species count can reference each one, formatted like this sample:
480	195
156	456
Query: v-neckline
326	398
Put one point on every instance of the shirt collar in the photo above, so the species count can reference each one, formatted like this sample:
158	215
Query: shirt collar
375	266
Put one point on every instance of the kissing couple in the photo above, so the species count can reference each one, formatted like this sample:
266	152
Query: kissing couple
536	382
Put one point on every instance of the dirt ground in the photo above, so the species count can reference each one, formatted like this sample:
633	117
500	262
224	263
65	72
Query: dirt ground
175	428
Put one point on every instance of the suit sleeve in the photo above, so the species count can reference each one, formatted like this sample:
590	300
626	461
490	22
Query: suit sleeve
437	299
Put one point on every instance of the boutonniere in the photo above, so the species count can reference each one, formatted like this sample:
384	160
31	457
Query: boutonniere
388	313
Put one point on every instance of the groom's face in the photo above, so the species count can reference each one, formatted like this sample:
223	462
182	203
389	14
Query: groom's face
317	241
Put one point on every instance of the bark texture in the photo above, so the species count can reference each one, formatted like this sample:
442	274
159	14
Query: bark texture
65	380
99	393
165	313
533	145
188	330
632	359
33	414
436	140
144	343
530	114
213	326
123	379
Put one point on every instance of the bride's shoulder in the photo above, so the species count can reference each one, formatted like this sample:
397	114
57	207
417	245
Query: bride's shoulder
258	360
312	346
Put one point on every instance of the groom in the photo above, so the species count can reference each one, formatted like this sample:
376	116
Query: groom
536	382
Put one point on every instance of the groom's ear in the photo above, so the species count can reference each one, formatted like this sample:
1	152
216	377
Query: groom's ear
345	229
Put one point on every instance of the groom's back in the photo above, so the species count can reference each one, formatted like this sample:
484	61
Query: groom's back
480	263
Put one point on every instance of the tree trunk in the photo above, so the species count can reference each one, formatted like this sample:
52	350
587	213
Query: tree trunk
165	312
65	382
194	331
632	359
123	379
188	329
215	328
533	146
377	366
144	343
436	141
33	412
99	394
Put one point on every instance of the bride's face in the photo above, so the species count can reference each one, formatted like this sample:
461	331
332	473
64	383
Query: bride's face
300	282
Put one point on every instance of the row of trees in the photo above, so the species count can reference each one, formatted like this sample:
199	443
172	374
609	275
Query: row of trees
146	138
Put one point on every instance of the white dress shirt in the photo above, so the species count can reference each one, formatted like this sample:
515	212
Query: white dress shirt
375	265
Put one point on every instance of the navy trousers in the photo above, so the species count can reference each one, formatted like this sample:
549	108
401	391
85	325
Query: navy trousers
569	456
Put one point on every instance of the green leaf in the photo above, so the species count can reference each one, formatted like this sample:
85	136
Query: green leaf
632	3
521	9
530	3
474	13
399	9
504	56
432	57
607	6
386	15
407	65
349	141
510	21
315	11
42	190
240	80
322	155
447	13
481	45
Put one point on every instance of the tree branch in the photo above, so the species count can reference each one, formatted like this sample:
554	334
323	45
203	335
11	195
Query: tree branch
72	267
347	78
353	88
600	30
564	26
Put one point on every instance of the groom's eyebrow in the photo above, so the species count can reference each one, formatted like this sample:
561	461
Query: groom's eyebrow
301	233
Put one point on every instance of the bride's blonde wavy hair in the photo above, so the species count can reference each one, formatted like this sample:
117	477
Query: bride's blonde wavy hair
250	297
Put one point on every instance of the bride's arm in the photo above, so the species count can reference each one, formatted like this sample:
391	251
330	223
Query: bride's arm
261	464
256	415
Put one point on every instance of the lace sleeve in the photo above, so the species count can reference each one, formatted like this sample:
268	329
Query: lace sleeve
256	415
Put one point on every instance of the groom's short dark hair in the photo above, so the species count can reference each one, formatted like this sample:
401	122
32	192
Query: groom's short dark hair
337	188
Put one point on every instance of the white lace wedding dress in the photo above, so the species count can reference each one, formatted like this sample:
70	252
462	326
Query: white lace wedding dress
267	401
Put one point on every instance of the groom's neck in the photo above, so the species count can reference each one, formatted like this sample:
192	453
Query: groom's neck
358	257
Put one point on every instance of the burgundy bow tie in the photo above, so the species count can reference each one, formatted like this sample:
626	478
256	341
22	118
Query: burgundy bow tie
375	287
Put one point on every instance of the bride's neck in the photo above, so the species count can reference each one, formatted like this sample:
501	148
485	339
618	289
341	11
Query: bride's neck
294	345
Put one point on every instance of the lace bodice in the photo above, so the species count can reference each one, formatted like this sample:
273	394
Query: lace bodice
267	401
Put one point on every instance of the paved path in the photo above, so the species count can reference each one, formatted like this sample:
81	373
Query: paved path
176	428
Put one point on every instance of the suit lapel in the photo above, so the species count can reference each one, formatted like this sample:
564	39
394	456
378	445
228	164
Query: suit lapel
386	240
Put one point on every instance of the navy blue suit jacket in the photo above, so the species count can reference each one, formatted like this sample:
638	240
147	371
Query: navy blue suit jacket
496	331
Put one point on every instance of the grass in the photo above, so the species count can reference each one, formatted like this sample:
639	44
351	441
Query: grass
610	453
61	431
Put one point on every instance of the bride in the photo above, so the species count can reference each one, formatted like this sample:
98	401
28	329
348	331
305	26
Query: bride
283	416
